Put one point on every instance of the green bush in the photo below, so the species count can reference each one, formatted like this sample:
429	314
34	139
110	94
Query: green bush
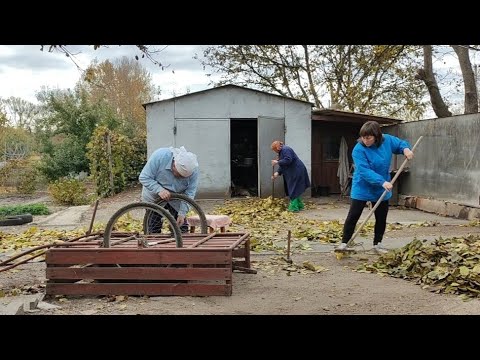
28	181
127	160
69	191
21	174
34	209
68	157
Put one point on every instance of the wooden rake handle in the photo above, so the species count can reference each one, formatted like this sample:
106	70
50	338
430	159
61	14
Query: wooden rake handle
273	182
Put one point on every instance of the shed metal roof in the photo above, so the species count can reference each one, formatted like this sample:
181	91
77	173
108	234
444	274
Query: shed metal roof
223	87
351	117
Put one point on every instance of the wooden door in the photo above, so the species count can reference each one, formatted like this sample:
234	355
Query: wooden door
326	138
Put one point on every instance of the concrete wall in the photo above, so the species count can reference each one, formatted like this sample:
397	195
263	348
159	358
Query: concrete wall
447	161
160	117
222	104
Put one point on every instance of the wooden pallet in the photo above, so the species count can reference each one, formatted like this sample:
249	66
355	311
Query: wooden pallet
149	265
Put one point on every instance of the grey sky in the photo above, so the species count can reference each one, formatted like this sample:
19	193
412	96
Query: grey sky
27	57
24	69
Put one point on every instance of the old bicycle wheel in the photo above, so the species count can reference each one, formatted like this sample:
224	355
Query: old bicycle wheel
193	204
131	218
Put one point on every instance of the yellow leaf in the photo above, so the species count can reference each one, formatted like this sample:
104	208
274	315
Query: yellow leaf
464	271
308	265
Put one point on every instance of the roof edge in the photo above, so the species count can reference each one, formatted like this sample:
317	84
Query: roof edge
383	119
225	86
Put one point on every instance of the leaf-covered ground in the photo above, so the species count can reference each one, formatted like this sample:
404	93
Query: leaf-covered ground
449	265
268	221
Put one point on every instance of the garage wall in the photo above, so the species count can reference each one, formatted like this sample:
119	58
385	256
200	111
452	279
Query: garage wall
172	123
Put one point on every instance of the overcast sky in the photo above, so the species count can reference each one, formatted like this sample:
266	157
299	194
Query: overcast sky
24	69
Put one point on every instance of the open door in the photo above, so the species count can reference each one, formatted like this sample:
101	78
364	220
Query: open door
269	130
243	153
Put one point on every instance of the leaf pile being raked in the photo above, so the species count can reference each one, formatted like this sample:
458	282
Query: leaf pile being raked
450	266
268	221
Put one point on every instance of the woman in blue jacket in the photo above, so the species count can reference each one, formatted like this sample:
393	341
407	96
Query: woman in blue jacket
294	173
372	156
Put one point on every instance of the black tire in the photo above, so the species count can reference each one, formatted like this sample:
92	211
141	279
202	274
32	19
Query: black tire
16	220
149	208
26	217
192	203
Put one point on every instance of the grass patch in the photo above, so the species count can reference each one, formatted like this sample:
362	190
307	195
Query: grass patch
34	209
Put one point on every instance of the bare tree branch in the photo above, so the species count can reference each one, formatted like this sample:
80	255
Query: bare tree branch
426	75
146	51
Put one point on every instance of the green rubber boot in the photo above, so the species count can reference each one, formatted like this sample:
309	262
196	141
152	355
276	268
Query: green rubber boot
301	205
293	206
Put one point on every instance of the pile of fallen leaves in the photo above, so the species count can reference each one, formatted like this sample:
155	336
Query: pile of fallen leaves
268	221
450	266
33	237
14	244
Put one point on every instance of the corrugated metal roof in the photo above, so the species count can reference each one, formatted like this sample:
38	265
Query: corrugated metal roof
349	116
226	86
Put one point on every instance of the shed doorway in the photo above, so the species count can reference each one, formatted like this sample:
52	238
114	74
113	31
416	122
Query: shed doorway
243	157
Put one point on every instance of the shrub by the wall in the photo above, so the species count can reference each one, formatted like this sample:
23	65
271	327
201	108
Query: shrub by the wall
115	160
69	191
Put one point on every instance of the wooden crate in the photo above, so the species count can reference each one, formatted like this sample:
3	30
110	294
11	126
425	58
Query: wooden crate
202	267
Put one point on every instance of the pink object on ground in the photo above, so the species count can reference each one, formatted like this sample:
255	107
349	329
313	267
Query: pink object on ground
213	221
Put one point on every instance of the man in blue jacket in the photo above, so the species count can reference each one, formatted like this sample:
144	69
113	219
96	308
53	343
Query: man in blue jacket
372	156
169	169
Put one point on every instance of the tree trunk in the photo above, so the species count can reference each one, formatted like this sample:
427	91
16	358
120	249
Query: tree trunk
427	76
471	97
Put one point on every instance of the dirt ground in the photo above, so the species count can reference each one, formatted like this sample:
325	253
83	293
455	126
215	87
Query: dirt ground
273	290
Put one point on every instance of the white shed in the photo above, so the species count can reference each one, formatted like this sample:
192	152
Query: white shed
230	128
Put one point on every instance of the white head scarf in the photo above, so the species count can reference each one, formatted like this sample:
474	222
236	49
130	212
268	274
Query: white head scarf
185	162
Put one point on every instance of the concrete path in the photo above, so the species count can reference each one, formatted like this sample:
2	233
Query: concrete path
19	305
68	218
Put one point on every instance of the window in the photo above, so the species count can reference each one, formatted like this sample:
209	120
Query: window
331	149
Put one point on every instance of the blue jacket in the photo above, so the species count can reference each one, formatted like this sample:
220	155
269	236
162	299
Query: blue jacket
157	175
372	167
